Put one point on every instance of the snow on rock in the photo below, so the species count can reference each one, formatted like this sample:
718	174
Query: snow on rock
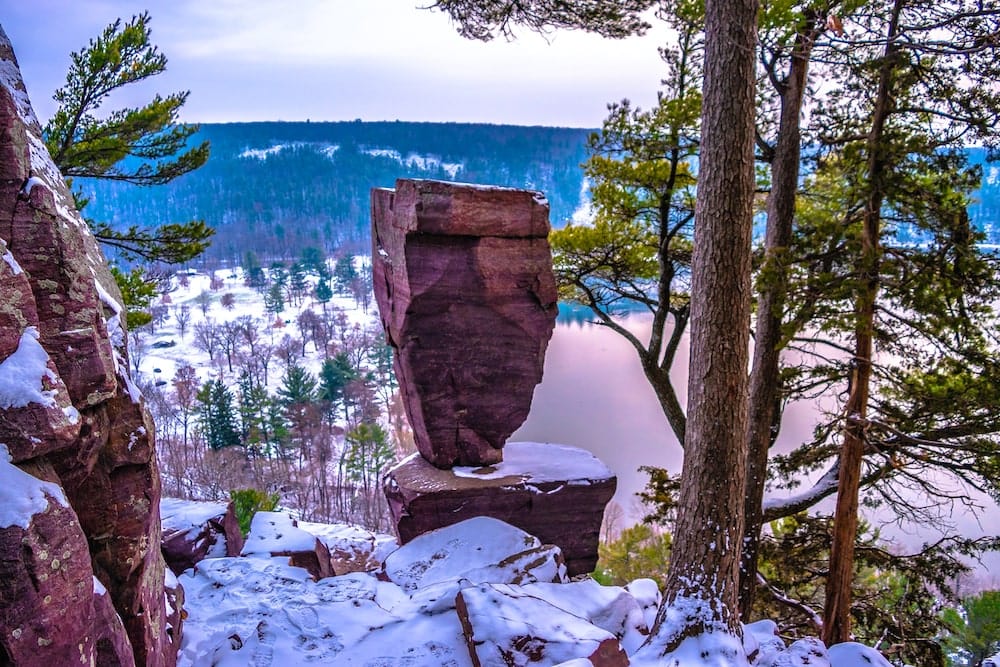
853	654
195	530
610	608
352	548
22	496
993	661
761	637
479	550
23	374
536	463
805	652
277	534
261	611
646	592
507	625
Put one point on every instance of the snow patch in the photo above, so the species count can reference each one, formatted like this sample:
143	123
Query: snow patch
22	373
22	496
537	463
276	532
12	263
99	588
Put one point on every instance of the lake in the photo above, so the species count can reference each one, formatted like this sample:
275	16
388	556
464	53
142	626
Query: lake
594	395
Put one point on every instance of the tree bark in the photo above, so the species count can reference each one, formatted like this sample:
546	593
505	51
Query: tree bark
837	611
704	563
765	375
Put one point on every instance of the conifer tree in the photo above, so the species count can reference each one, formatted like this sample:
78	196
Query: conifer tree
142	145
217	415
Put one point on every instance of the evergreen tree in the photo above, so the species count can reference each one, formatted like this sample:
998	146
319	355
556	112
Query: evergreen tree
274	299
344	274
323	292
217	416
334	377
973	630
143	145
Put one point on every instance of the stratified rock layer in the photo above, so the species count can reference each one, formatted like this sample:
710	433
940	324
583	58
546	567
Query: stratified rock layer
70	416
554	492
464	283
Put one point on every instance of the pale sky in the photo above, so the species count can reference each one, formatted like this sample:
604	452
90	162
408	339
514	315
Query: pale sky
343	59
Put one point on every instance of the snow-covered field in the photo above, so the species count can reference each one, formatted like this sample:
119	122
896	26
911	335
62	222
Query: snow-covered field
163	349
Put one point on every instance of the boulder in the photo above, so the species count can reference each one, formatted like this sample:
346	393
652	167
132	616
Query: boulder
277	534
352	548
554	492
481	549
506	625
463	279
195	530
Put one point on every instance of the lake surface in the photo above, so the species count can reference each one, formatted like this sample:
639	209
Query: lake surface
594	395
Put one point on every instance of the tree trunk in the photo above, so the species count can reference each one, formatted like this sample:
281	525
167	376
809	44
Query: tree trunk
765	375
704	563
837	611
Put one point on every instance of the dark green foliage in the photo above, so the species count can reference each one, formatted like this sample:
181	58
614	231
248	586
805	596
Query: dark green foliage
217	415
298	387
973	630
323	292
368	453
274	299
345	274
640	551
247	502
334	376
485	19
138	293
142	145
253	271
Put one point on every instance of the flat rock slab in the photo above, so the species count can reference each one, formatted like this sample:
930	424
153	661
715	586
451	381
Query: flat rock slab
555	492
463	279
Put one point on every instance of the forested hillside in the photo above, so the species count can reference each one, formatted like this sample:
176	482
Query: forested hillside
278	187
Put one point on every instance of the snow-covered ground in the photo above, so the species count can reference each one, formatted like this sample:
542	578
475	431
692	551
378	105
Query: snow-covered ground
163	349
477	593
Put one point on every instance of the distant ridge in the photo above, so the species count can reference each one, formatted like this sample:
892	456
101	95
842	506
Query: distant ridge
276	187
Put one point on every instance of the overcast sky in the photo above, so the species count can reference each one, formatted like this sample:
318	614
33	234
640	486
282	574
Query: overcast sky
343	59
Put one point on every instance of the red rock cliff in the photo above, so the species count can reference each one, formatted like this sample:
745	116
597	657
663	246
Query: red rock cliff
81	574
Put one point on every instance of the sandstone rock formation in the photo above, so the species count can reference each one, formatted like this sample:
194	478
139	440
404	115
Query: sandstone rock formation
277	534
69	417
194	531
463	278
554	492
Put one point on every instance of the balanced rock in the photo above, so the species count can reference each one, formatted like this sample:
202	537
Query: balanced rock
195	530
463	279
554	492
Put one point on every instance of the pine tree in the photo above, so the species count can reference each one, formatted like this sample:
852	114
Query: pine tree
143	145
217	416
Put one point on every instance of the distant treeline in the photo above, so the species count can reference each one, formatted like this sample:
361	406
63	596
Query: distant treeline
276	187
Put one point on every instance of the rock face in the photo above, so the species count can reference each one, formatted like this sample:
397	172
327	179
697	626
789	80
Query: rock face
70	417
463	278
554	492
194	531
